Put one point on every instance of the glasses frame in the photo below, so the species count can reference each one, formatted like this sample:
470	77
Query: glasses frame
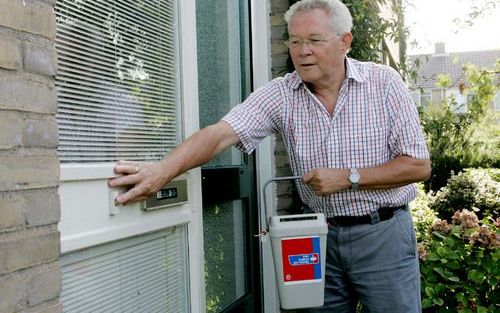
313	41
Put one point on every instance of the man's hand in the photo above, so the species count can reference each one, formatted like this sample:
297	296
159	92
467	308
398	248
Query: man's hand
325	181
146	179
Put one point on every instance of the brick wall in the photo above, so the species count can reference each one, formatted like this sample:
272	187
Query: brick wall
29	167
287	199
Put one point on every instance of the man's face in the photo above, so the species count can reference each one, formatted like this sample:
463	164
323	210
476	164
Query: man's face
317	52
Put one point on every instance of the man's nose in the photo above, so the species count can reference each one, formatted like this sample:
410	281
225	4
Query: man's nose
305	48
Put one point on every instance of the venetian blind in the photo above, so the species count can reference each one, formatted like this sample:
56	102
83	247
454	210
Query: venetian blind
142	274
117	79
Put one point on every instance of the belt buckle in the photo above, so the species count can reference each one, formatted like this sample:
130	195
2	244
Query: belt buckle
374	217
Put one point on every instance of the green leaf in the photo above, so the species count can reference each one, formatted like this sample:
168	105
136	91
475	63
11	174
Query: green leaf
438	301
442	272
440	288
442	251
482	309
429	291
454	279
426	303
452	255
476	276
454	265
438	234
462	298
433	257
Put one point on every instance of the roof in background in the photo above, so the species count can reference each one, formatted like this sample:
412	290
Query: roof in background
441	62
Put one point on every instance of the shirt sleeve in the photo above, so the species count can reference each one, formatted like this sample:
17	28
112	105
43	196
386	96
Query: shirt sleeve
257	117
406	136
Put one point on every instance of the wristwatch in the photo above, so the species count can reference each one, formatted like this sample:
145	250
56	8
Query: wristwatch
354	179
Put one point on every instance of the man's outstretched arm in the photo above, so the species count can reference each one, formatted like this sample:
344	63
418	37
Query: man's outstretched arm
148	178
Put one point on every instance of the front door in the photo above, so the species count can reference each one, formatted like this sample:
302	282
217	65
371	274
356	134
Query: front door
232	271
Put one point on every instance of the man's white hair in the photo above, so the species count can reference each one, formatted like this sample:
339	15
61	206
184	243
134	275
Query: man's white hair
341	19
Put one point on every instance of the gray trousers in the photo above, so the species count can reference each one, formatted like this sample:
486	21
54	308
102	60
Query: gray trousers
374	264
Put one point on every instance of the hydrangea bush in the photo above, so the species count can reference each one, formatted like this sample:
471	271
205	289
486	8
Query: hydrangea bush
459	264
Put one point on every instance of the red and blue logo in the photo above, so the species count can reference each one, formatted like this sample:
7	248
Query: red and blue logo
301	259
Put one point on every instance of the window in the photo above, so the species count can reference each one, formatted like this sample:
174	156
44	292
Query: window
117	80
496	104
438	96
119	92
425	98
415	96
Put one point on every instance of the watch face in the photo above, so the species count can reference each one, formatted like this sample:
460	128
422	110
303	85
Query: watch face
354	176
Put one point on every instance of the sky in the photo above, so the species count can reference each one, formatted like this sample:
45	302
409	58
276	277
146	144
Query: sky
430	21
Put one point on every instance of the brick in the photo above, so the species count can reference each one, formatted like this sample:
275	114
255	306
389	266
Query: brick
11	210
278	33
279	62
28	172
51	308
284	188
44	286
10	130
42	207
279	6
41	132
18	93
284	203
282	160
278	48
277	20
12	292
52	2
283	171
9	54
39	59
30	16
28	250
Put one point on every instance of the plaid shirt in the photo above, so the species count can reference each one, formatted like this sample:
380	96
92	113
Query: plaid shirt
374	121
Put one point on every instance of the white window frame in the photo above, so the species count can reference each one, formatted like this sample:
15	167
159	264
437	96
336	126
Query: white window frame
496	101
425	97
438	99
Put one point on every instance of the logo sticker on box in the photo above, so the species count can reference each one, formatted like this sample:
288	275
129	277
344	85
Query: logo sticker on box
301	259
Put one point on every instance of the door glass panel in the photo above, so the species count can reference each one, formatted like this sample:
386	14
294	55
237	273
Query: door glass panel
223	64
225	253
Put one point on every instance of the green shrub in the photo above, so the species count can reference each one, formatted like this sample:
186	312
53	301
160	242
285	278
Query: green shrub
458	141
459	265
494	173
472	189
423	216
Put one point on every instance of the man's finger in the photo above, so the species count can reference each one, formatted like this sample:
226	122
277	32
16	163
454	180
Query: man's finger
307	177
129	168
133	193
126	180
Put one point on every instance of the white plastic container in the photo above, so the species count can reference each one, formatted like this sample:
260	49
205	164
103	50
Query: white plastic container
299	251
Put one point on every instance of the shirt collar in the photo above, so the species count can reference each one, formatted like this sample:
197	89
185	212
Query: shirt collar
352	72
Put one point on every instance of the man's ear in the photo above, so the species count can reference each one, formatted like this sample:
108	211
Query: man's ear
346	39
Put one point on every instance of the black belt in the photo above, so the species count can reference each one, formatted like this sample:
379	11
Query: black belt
380	215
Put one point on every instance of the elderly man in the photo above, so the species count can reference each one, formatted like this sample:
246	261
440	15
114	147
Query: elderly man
352	132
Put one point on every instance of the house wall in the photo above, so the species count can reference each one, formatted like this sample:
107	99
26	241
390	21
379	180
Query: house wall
29	166
287	201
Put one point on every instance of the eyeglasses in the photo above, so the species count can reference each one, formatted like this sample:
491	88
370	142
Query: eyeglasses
313	41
